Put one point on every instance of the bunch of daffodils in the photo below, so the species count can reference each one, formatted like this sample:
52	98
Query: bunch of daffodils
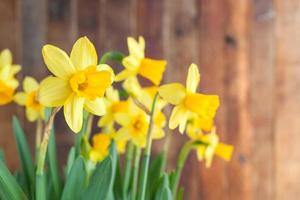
130	116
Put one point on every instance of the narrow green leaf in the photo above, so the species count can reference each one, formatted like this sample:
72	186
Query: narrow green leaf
24	154
71	159
112	56
9	188
180	194
114	156
101	181
55	178
41	188
75	183
155	173
164	191
118	186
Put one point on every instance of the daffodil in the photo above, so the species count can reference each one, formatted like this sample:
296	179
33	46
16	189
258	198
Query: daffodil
78	82
113	105
188	101
196	124
136	63
101	143
209	145
135	124
28	98
8	82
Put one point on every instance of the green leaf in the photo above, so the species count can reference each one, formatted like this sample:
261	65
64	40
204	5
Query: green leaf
114	156
24	154
53	166
2	157
9	188
75	182
101	181
71	159
180	194
41	191
164	191
155	173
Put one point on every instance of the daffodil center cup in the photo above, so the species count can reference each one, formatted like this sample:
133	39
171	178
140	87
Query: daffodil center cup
90	83
6	93
32	101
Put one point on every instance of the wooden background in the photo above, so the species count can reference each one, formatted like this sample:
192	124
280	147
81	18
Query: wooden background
248	52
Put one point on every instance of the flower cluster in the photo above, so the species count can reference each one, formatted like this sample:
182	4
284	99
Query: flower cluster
131	115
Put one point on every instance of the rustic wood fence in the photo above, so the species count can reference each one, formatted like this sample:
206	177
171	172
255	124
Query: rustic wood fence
248	52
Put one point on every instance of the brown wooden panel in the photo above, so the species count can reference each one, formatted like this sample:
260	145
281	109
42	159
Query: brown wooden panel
287	103
212	24
262	91
237	117
9	38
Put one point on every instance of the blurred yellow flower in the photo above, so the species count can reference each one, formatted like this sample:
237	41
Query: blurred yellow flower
113	105
209	146
135	124
101	143
28	98
79	81
8	82
196	124
136	63
187	100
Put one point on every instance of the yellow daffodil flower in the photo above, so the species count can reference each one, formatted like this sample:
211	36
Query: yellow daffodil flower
196	124
135	125
187	101
136	63
79	81
113	105
28	98
209	146
101	144
8	82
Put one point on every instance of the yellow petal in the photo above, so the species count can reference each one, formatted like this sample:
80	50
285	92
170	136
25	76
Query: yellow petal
135	49
158	133
6	93
30	84
132	86
124	75
224	151
32	114
183	120
112	94
5	57
105	120
142	42
204	105
105	67
122	118
96	107
173	93
58	62
20	98
83	54
131	62
123	134
54	92
73	111
178	114
152	69
193	78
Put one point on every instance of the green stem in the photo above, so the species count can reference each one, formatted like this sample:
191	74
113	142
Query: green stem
113	56
147	153
44	144
89	126
127	174
136	172
180	164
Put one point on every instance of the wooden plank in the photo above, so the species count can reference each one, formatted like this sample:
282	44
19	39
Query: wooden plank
262	89
287	103
239	132
10	38
180	42
212	24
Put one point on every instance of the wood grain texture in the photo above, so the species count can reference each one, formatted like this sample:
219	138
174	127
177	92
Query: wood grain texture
247	52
